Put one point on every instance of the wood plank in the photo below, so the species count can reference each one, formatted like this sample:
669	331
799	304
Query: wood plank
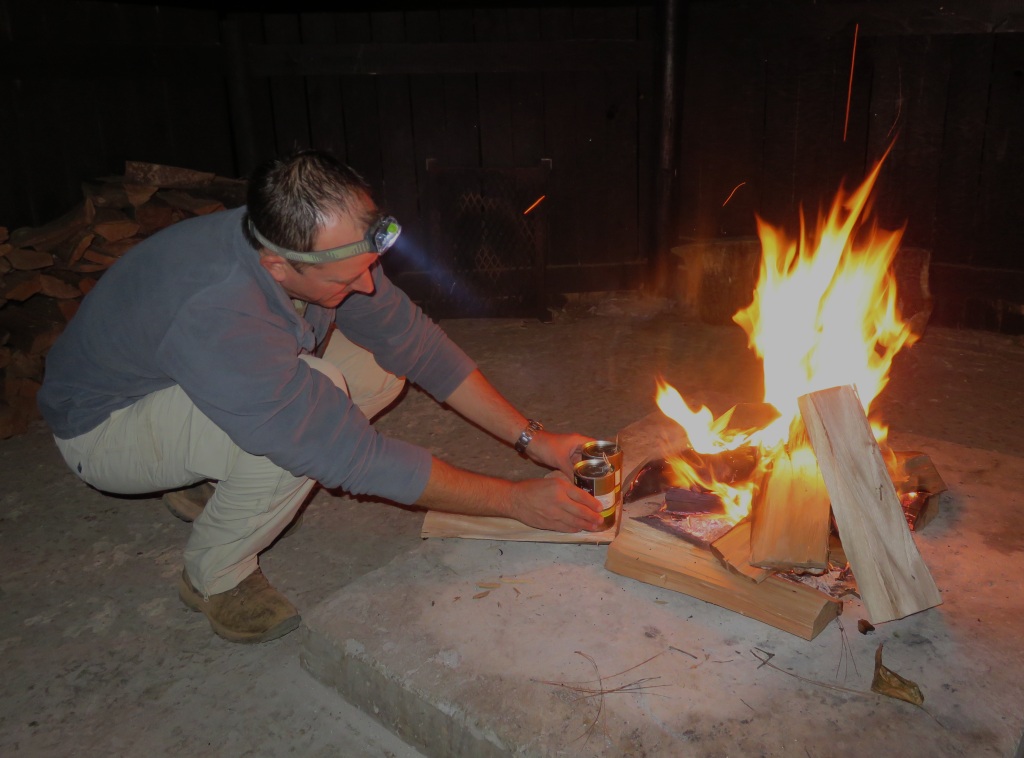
644	553
790	515
891	574
440	524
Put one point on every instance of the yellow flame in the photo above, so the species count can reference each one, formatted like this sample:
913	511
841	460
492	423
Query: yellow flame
824	313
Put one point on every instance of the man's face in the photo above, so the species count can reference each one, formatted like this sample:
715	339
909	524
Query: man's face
328	284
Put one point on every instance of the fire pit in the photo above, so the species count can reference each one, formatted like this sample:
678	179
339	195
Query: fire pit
746	500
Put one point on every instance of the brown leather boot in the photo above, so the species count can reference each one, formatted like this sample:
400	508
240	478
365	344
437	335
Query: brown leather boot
251	612
188	503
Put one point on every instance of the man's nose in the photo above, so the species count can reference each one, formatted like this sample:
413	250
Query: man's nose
364	284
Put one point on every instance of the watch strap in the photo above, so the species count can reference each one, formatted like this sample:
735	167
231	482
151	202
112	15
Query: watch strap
526	436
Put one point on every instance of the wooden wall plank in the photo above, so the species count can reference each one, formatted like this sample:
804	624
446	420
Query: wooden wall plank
359	103
526	94
323	93
15	200
461	99
495	96
426	95
913	74
397	191
723	122
1002	169
958	231
560	135
287	93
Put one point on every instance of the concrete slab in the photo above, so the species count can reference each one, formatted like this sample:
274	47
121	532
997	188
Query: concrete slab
477	648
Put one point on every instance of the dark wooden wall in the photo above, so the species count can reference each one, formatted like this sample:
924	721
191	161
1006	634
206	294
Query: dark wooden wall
762	110
765	110
98	83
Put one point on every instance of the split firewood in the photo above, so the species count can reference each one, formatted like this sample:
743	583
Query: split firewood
50	235
32	327
71	250
649	555
51	286
139	194
106	194
20	285
892	578
790	513
733	550
94	256
139	172
113	225
155	215
24	259
199	206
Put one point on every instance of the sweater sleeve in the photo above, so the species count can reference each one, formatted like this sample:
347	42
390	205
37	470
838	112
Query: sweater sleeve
241	368
403	339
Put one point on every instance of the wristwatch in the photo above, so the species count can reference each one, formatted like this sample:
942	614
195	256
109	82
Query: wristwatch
526	436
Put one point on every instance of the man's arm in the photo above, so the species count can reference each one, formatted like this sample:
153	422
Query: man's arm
552	503
477	400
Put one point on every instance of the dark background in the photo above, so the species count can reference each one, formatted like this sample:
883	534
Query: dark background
634	122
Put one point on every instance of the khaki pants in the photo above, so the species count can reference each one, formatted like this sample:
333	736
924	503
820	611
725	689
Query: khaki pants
164	442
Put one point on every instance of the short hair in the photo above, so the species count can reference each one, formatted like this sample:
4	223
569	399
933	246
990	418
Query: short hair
290	199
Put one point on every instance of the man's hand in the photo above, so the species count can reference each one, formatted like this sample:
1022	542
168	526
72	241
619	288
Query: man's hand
552	503
556	504
557	451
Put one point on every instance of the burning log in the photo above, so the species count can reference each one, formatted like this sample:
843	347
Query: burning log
791	514
891	575
649	555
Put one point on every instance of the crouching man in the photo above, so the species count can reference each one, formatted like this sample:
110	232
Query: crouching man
203	356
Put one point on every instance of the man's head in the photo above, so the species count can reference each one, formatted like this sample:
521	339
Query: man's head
308	202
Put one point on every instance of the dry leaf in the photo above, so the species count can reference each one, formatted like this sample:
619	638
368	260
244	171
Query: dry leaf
891	684
479	595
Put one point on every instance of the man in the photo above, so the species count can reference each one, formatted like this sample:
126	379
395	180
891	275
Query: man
195	359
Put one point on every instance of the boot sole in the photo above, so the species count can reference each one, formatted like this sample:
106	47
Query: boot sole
194	602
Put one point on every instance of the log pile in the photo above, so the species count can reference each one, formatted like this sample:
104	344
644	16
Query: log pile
46	270
832	469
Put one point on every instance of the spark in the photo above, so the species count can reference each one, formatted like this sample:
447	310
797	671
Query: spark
536	202
849	87
732	193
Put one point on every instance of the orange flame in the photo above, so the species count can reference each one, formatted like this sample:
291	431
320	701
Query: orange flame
824	314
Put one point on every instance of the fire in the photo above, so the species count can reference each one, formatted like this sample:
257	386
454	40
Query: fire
824	313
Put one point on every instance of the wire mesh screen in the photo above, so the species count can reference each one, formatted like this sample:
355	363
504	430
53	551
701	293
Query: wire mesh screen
487	233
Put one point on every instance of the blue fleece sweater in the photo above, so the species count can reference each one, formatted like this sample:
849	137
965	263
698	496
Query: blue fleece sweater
192	306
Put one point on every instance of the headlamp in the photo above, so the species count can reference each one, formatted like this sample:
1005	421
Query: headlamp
379	238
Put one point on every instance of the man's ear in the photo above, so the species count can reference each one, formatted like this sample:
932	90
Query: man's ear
276	266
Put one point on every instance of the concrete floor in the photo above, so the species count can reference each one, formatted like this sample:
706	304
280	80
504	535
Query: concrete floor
101	658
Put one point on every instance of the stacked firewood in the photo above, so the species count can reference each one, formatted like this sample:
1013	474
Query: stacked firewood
45	271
